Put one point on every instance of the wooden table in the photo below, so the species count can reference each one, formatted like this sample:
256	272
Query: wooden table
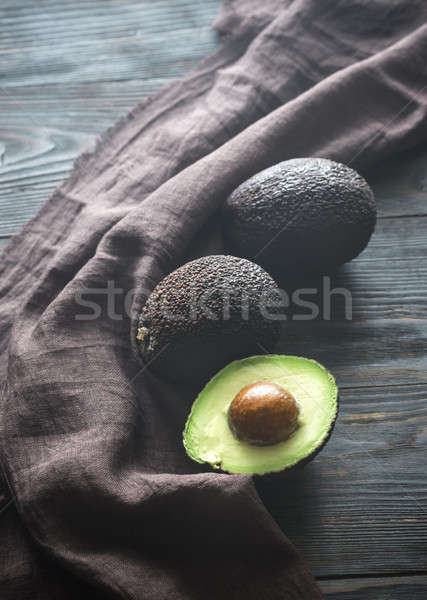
358	512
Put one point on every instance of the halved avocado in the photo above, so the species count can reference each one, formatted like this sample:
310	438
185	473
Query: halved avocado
208	437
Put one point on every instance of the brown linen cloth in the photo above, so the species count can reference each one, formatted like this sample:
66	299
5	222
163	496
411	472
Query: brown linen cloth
104	499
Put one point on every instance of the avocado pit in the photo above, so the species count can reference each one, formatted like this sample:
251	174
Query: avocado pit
263	413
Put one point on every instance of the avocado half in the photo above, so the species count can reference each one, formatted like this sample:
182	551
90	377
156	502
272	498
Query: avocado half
208	437
304	216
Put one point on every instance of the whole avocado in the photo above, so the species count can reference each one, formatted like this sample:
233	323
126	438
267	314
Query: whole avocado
204	314
304	216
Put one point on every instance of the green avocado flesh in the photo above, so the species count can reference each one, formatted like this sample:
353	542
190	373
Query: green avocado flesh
207	435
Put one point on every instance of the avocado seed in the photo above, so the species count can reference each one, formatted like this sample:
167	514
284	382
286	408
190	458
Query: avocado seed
263	414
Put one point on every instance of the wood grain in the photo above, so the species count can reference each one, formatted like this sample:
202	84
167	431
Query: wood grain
69	71
400	184
47	23
388	280
390	588
360	506
377	352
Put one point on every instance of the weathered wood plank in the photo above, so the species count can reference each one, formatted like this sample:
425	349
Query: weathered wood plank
390	288
90	106
360	506
388	280
43	127
390	588
105	60
41	23
62	42
400	184
375	352
41	133
28	22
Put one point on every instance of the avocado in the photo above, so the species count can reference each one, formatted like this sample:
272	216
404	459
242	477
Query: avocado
292	418
205	314
304	216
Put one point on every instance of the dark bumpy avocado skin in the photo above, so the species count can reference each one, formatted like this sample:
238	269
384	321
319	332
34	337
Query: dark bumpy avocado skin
304	216
205	314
